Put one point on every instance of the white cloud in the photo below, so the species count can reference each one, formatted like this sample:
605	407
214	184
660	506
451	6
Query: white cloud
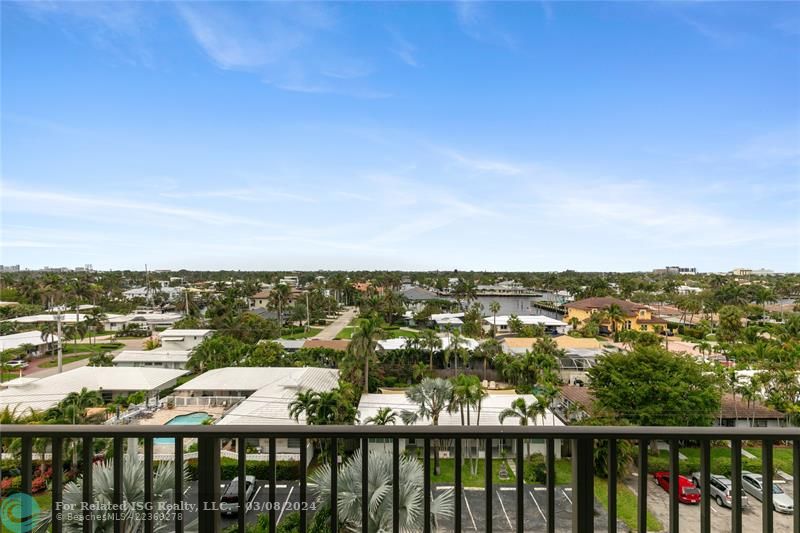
404	50
478	164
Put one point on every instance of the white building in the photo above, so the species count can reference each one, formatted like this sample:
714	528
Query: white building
142	320
492	406
688	289
43	393
183	339
158	358
267	392
66	318
34	338
500	323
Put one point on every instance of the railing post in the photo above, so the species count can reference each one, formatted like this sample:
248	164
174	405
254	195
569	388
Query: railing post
27	479
612	483
641	506
736	486
766	479
583	485
208	483
88	456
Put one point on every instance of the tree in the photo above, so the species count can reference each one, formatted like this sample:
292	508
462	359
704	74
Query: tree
363	344
383	417
431	342
730	323
278	299
487	351
494	307
526	412
432	397
615	315
103	488
380	479
217	352
650	386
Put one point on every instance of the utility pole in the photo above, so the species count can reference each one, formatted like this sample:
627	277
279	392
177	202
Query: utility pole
308	312
60	350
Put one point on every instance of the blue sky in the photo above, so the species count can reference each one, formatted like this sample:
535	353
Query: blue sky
522	136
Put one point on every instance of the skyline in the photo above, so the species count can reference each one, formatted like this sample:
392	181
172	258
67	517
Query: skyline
514	137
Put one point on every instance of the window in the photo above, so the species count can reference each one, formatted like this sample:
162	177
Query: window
643	327
627	324
760	423
293	443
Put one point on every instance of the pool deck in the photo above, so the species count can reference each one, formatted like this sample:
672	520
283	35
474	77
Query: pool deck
162	416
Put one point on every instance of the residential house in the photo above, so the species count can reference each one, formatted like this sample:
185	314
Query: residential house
184	339
158	358
491	407
259	300
575	403
38	346
500	323
638	317
43	393
261	396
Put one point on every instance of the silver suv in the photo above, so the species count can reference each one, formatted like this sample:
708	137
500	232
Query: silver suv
720	490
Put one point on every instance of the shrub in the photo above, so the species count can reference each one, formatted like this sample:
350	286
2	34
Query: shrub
11	485
290	523
38	484
535	469
284	470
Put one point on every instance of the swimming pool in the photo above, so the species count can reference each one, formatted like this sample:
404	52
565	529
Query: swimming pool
191	419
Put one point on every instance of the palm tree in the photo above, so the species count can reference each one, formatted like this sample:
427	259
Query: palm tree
432	397
455	348
379	481
278	298
133	473
302	405
72	410
488	350
525	412
494	307
615	315
383	417
430	341
363	344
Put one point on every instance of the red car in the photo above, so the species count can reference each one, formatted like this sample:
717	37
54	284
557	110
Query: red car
687	491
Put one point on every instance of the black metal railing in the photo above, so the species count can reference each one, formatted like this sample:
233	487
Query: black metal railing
582	442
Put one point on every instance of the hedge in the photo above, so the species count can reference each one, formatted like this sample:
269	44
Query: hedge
719	465
284	470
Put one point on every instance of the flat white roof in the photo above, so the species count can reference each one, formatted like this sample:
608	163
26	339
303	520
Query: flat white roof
46	392
438	317
492	406
158	355
466	342
269	405
185	332
15	340
235	378
146	317
66	318
528	320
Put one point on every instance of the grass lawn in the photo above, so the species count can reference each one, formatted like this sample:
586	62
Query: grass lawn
391	333
66	360
447	474
346	333
84	347
302	334
8	376
781	457
44	500
626	505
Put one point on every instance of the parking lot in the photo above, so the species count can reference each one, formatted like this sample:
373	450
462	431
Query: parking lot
473	507
658	504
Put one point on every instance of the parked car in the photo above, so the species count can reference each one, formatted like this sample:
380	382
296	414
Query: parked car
719	489
687	491
753	484
19	363
229	503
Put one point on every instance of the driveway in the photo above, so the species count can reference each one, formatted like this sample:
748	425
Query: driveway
341	322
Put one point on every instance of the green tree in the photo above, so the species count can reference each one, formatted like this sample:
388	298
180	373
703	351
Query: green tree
432	398
430	341
363	344
380	479
650	386
383	417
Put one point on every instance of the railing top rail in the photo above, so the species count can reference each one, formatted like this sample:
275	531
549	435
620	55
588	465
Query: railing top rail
283	431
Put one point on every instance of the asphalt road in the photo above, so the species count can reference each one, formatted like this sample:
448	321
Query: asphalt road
473	507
